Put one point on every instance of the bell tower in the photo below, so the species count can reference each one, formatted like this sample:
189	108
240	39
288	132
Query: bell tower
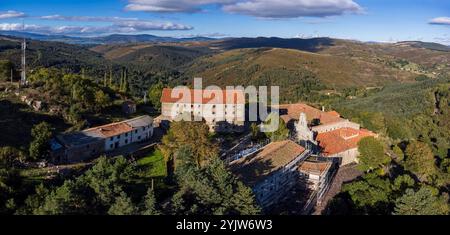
302	129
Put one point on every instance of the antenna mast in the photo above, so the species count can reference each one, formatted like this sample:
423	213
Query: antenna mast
23	80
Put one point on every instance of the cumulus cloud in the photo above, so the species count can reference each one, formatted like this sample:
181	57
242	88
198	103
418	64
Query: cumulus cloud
168	6
11	14
257	8
440	21
119	27
294	8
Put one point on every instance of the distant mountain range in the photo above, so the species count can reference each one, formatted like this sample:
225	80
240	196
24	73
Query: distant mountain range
311	45
110	39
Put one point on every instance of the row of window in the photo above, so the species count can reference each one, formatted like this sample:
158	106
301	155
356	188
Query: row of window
126	142
126	134
214	106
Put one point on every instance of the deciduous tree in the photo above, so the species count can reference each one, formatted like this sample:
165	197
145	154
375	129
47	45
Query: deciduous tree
41	135
371	154
420	161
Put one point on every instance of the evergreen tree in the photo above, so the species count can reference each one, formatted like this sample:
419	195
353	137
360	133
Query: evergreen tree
282	133
122	206
149	207
422	202
154	94
244	201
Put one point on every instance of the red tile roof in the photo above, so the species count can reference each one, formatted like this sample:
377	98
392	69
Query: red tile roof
294	111
341	140
111	129
317	168
202	96
334	113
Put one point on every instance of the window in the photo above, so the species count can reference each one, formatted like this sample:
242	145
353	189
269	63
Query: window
87	146
126	134
112	138
126	141
118	137
136	131
139	138
111	146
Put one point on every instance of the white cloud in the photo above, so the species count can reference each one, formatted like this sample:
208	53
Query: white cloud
440	21
257	8
120	27
85	18
294	8
169	6
150	25
11	14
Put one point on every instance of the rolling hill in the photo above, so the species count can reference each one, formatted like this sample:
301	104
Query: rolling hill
288	68
155	56
297	65
51	54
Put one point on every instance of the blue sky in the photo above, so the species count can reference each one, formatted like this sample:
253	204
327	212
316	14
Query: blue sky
366	20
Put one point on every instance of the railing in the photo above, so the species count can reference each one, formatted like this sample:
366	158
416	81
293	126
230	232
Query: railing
247	152
310	204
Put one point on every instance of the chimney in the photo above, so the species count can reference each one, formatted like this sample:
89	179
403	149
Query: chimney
323	108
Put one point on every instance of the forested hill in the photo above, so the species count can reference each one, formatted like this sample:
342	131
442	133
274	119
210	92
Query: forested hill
299	66
51	54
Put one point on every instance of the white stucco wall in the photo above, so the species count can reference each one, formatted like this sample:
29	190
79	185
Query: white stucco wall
123	139
212	113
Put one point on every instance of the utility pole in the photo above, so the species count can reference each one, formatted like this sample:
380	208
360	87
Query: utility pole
11	75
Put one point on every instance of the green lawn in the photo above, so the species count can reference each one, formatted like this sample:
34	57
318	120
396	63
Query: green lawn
154	164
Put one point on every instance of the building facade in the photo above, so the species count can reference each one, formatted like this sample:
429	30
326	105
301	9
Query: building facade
223	111
91	143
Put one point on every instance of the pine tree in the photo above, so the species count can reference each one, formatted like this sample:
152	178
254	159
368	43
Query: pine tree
104	79
244	201
149	204
422	202
125	82
110	77
122	206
